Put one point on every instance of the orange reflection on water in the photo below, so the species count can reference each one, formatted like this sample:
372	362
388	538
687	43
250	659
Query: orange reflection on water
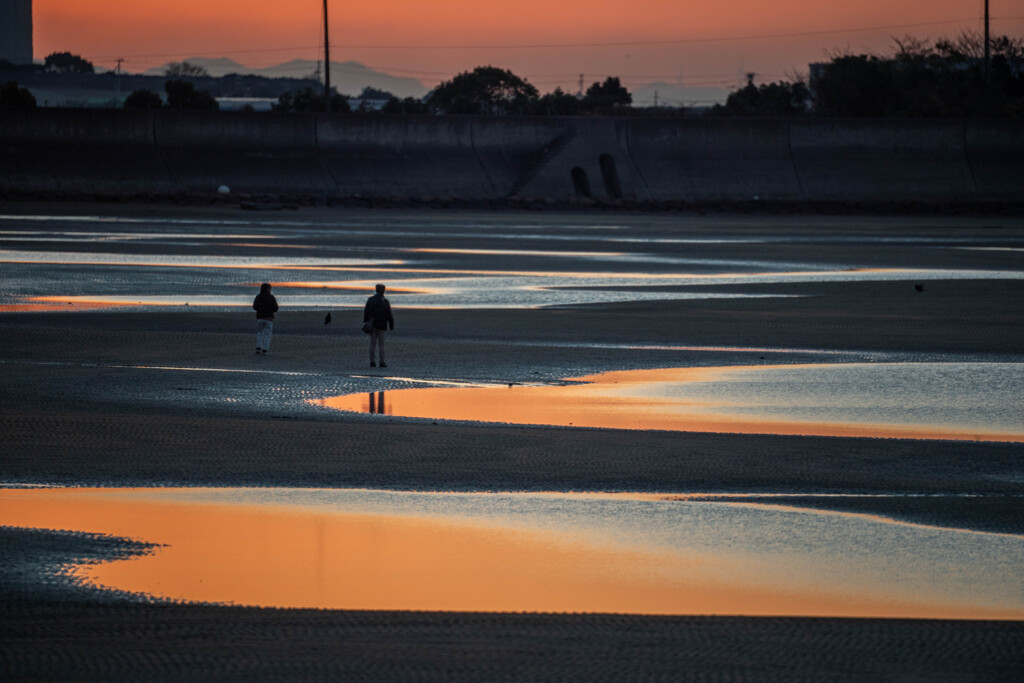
519	252
47	304
97	302
353	286
611	400
289	557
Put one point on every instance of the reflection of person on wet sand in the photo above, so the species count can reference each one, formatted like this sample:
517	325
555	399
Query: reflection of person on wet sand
266	306
378	312
377	405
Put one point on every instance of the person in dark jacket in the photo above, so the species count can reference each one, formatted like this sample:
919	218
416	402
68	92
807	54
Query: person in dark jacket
378	313
266	306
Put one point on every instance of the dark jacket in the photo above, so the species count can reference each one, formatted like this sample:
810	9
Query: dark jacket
265	305
378	310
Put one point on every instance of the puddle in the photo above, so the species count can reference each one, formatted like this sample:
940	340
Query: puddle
962	401
643	554
50	304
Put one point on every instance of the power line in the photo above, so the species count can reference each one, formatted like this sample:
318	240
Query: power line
672	41
541	79
153	55
548	46
691	80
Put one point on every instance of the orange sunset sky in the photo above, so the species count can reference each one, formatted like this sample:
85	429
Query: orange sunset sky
682	42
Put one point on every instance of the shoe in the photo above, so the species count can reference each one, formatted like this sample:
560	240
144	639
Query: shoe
264	352
258	350
372	364
383	365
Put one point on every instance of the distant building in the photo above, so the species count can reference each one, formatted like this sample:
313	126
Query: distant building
16	31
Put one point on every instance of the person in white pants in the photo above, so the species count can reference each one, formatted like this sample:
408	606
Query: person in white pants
377	312
266	306
264	329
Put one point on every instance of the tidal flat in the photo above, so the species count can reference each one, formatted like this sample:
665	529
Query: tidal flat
127	361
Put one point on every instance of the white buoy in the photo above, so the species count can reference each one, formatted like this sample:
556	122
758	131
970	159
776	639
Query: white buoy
224	189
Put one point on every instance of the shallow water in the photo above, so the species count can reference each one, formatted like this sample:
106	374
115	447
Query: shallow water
88	262
557	552
644	554
966	401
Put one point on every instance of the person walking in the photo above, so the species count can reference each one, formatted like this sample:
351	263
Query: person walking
266	306
378	313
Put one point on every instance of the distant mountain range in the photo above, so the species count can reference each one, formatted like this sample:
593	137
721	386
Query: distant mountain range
348	78
351	77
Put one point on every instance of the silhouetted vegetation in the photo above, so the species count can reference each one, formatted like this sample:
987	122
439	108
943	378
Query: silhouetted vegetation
34	76
183	95
941	79
770	99
408	105
312	99
558	103
920	78
607	97
13	95
185	70
143	99
490	91
484	90
67	63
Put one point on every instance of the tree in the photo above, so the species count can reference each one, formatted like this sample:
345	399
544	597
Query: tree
185	70
143	99
183	95
408	105
768	99
310	99
970	46
67	63
558	103
855	86
949	79
922	79
485	90
12	95
604	97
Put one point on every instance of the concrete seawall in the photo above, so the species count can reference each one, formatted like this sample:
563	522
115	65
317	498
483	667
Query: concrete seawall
130	153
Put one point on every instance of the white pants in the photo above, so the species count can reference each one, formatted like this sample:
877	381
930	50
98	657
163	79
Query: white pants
377	340
264	328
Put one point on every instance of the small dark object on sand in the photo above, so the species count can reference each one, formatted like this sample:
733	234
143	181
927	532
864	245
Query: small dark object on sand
919	287
327	320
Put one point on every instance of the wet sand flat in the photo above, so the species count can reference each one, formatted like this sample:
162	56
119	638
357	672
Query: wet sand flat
174	398
173	642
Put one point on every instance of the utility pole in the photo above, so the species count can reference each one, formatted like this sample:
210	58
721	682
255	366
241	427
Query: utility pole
119	60
988	50
327	63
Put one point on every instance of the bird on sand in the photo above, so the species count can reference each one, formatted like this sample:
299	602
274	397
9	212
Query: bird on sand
919	287
327	320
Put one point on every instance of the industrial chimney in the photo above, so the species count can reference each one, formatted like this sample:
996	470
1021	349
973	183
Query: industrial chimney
16	31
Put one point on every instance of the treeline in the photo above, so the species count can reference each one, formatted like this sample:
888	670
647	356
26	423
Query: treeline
947	78
486	91
920	79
